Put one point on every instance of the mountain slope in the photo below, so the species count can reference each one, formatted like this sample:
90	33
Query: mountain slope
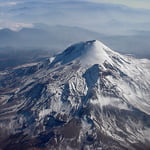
88	97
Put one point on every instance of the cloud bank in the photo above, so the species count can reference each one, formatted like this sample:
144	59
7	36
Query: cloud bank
143	4
109	17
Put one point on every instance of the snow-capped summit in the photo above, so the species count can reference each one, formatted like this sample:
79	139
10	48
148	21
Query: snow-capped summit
87	53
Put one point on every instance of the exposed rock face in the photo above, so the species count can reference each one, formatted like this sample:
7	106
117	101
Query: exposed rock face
88	97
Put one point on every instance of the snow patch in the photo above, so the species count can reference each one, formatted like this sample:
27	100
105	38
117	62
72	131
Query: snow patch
95	53
44	113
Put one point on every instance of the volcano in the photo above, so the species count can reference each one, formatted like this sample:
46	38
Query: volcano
86	98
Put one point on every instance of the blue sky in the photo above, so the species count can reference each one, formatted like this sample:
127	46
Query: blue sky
118	17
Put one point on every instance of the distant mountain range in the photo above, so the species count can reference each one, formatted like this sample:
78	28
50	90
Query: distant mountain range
59	37
86	98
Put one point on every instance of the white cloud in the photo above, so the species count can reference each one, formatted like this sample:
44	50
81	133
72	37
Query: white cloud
145	4
108	18
15	26
5	4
